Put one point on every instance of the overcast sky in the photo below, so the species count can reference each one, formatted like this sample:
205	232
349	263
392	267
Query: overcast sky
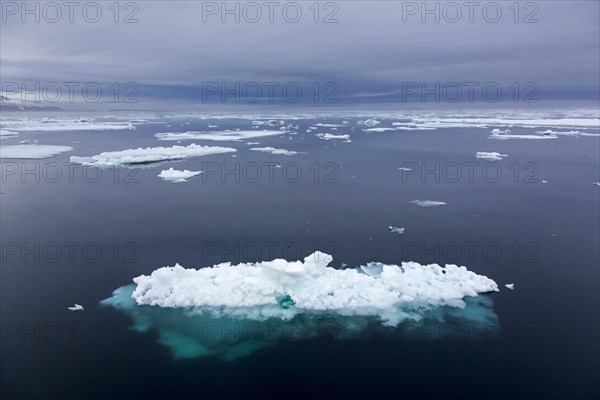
175	47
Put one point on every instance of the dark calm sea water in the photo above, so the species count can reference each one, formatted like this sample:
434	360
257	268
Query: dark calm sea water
514	229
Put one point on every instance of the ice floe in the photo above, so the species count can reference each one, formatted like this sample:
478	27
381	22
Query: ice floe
52	125
510	286
493	156
428	203
395	229
223	136
283	289
369	122
260	302
274	151
149	155
329	125
5	134
330	136
33	151
76	307
175	175
521	137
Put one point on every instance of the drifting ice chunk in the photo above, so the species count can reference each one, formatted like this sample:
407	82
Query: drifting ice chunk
428	203
330	136
395	229
5	134
269	298
149	155
175	175
252	290
370	122
35	151
275	151
510	285
224	136
490	156
76	307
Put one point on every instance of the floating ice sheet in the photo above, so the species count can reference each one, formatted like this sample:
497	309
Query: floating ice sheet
195	311
177	176
149	155
428	203
33	151
274	151
223	136
330	136
493	156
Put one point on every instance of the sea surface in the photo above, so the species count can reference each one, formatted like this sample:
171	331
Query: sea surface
73	235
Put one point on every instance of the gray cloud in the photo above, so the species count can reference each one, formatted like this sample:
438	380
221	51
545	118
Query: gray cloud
369	52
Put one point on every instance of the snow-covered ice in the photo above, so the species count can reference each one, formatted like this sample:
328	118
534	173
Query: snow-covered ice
175	175
149	155
330	136
510	286
223	136
55	125
428	203
254	290
274	151
5	134
395	229
76	307
32	151
271	298
369	122
494	156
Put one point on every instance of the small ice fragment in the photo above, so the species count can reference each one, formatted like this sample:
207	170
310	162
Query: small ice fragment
395	229
428	203
76	307
493	156
511	286
176	176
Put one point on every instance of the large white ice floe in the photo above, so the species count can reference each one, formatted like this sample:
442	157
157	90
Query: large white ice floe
506	135
196	311
32	151
282	289
63	124
222	136
177	176
149	155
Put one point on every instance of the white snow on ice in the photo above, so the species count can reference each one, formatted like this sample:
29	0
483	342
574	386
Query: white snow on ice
223	136
395	229
428	203
274	151
494	156
149	155
53	125
5	134
330	136
177	176
282	289
32	151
